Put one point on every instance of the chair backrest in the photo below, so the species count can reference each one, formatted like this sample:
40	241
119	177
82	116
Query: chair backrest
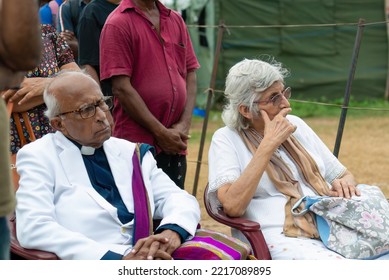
250	229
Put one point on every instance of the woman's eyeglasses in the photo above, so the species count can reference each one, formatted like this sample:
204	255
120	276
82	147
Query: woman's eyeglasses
276	99
88	111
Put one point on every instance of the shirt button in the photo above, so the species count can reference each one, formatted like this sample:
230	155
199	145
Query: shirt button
170	68
123	230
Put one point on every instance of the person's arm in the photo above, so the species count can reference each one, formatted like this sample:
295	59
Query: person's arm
72	41
66	29
92	72
169	140
343	183
191	64
31	91
183	125
20	41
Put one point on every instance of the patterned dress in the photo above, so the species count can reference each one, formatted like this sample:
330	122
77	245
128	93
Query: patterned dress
55	54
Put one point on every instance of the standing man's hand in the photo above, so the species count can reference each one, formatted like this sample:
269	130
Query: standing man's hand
171	141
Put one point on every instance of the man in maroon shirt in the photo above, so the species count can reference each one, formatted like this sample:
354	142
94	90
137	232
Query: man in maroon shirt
146	51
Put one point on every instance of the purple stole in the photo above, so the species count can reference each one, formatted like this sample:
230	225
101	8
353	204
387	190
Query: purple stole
142	216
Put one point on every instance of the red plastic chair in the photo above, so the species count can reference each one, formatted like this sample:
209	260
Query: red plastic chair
251	230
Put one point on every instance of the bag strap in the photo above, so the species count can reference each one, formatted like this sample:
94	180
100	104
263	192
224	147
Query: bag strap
27	123
143	222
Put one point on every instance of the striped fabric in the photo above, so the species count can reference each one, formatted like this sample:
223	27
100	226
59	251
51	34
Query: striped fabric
212	245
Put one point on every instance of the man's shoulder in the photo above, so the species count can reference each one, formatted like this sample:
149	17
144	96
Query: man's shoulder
44	143
120	143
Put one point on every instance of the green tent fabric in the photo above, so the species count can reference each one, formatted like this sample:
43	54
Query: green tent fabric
319	57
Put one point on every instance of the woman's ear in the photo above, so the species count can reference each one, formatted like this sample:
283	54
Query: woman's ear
245	112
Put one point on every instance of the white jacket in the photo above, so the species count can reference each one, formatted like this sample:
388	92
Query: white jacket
59	211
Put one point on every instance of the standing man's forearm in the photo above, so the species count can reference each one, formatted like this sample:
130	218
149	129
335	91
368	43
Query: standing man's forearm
191	88
134	105
92	72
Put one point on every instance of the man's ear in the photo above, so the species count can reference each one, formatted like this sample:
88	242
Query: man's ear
57	124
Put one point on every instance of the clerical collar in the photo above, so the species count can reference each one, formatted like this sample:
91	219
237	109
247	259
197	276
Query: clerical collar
85	150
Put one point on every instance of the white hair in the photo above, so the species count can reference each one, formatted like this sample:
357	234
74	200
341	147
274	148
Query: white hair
245	82
52	104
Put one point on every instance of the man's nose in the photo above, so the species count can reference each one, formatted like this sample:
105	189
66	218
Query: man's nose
100	114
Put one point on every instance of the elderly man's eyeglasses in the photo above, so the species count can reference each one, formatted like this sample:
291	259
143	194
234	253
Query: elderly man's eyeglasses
276	99
88	111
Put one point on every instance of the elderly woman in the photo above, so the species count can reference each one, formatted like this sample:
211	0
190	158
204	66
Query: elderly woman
264	160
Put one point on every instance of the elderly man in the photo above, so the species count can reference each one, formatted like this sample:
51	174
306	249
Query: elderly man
77	195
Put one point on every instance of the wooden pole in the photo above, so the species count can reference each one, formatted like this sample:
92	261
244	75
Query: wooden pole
346	100
221	29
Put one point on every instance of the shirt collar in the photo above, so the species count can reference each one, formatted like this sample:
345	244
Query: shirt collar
128	4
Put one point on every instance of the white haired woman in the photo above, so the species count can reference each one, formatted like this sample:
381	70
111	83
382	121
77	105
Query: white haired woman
264	160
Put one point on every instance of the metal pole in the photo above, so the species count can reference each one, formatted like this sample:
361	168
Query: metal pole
386	95
346	100
221	29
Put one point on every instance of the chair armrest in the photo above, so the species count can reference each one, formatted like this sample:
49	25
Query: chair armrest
235	222
250	229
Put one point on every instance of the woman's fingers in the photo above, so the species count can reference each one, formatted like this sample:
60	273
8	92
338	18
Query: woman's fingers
343	188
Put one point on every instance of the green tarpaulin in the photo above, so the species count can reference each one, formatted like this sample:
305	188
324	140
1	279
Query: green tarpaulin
319	57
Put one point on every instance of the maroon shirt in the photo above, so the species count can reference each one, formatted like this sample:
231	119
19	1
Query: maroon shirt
130	46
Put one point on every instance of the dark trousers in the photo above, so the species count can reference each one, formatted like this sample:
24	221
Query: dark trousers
174	166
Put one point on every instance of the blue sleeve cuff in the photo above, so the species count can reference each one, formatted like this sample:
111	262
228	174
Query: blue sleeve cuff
112	256
181	232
